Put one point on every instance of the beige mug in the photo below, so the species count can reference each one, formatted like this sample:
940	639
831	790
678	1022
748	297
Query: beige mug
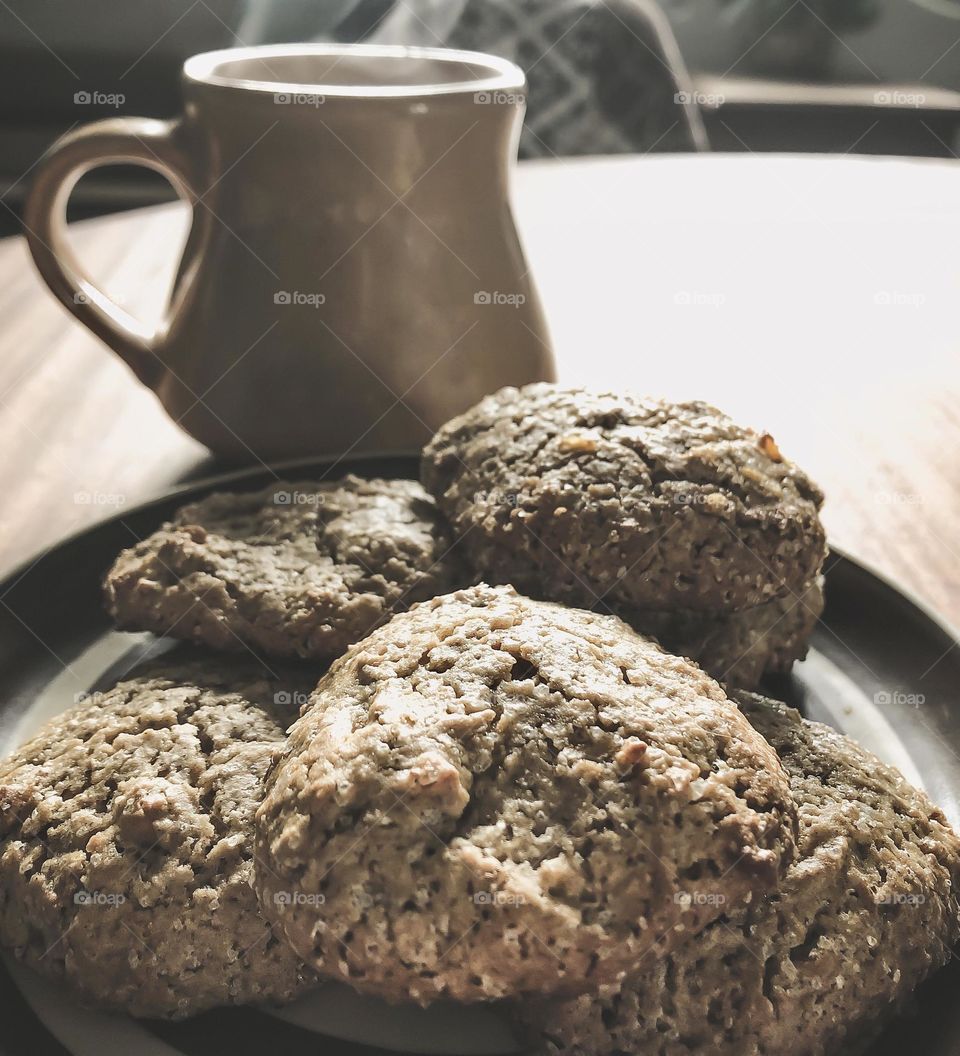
352	277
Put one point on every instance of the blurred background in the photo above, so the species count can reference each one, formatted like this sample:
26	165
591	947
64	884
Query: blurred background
611	76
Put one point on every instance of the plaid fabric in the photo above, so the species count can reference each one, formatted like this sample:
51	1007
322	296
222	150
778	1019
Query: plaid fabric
604	76
599	80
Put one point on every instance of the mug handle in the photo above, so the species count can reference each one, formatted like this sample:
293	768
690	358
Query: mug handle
138	140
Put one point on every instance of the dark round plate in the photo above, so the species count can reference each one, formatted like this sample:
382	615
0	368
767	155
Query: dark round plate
882	668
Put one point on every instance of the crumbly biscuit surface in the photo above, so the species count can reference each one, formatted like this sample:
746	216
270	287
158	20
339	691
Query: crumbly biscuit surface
581	497
296	569
866	911
739	648
492	795
125	843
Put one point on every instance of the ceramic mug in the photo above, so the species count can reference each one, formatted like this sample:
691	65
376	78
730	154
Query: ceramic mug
352	277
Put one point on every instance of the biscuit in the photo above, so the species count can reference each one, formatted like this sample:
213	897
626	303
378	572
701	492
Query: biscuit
125	843
865	912
492	795
742	647
587	498
295	569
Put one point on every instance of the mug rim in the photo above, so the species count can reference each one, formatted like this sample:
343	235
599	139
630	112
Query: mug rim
503	75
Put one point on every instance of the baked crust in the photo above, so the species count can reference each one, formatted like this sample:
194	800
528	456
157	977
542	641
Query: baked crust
492	795
739	648
586	498
867	910
295	569
125	843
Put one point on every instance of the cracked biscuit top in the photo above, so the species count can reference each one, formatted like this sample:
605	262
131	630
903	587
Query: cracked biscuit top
295	569
582	497
492	795
865	912
125	843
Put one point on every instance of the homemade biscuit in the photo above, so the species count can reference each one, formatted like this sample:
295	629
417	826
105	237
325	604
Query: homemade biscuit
125	843
588	498
865	912
492	796
742	647
295	569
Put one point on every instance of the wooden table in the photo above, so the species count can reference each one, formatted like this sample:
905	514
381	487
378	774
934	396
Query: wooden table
817	298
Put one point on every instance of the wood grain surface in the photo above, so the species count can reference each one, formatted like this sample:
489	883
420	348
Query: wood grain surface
816	298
